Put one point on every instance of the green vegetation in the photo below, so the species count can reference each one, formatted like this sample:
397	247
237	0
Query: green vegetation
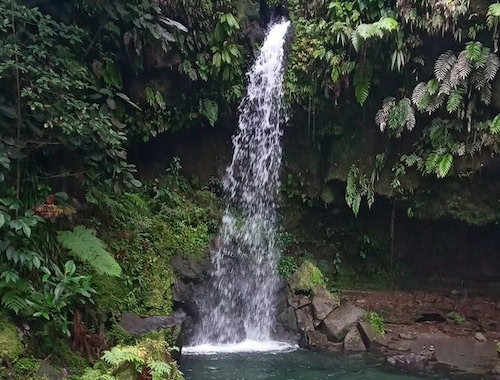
458	318
306	277
376	321
399	99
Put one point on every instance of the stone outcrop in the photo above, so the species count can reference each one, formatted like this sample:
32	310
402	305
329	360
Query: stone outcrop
353	341
339	322
323	302
138	326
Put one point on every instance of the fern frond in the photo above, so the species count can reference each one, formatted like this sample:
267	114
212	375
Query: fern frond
362	81
410	113
491	68
473	51
444	64
486	94
383	114
463	66
495	125
454	101
431	162
84	244
445	165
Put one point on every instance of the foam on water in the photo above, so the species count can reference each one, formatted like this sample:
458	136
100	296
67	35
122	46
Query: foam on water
241	347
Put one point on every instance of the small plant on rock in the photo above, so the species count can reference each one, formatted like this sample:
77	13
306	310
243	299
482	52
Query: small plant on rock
287	267
376	321
456	317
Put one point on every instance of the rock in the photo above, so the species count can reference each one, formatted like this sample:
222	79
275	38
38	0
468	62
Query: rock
47	372
181	292
306	278
497	306
315	339
187	270
281	301
299	301
408	359
304	320
335	347
371	338
138	326
480	337
407	336
496	370
10	343
288	319
353	340
323	302
339	321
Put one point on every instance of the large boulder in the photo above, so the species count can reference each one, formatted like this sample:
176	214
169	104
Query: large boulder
10	343
138	326
339	322
315	340
371	338
353	340
323	302
304	319
288	319
187	270
306	278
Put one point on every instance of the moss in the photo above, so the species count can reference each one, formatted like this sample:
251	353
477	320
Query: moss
307	277
118	335
11	346
26	366
159	298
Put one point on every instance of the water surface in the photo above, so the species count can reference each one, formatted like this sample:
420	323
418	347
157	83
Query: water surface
296	365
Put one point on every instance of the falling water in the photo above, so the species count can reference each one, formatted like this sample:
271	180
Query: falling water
244	280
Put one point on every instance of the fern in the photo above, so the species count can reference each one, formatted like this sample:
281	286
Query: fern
495	125
455	100
365	32
84	244
383	114
444	64
363	81
445	165
210	110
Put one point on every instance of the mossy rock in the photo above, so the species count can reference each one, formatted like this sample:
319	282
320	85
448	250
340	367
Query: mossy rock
306	278
11	346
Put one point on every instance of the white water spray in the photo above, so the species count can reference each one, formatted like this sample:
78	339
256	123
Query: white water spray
239	307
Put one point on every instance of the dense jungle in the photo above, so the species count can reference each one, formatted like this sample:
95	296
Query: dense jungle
116	126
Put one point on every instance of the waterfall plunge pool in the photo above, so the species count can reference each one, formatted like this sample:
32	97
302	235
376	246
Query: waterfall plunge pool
246	362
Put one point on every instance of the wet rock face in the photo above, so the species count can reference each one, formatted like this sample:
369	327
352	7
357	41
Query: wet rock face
339	322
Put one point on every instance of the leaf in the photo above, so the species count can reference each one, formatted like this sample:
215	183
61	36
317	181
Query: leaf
70	267
445	165
127	99
82	243
169	22
136	182
26	230
362	82
495	125
2	219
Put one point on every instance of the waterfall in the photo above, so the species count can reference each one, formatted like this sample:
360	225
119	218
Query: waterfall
244	277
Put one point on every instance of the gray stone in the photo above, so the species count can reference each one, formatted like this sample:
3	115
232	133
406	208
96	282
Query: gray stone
339	322
407	336
46	371
188	270
353	340
304	320
371	338
480	337
323	302
334	347
315	339
299	301
496	370
288	319
181	292
138	326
